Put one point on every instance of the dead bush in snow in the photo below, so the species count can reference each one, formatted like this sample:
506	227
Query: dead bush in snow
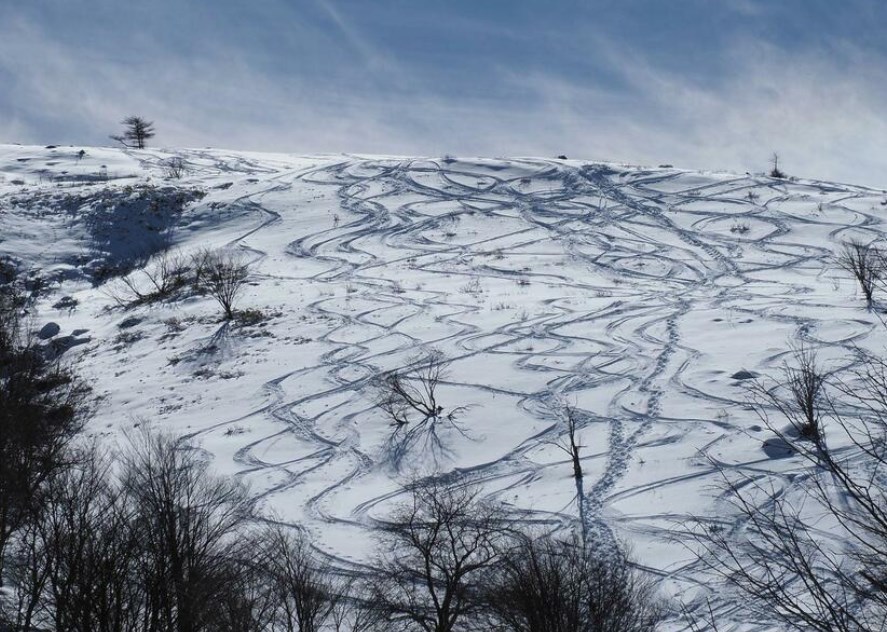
174	168
799	397
410	401
164	278
866	263
221	274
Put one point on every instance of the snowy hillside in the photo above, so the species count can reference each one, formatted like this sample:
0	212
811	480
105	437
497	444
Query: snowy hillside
646	298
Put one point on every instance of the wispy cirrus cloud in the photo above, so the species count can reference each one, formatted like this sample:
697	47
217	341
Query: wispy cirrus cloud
331	76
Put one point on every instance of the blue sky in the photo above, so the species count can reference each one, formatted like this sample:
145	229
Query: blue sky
711	84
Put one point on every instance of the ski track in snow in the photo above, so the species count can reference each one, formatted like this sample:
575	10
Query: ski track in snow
636	272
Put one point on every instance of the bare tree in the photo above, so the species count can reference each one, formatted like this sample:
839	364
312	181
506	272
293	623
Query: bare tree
305	597
434	553
186	521
221	274
546	584
136	132
570	444
866	263
813	553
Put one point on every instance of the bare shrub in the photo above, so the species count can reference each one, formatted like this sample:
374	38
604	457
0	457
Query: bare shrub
221	274
410	401
543	584
866	263
799	397
472	287
405	399
434	553
165	278
174	168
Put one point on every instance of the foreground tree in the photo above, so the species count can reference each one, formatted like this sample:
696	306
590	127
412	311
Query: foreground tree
305	597
435	552
75	564
153	544
42	407
186	521
812	551
136	133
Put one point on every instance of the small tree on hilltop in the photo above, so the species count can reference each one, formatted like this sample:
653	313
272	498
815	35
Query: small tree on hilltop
136	132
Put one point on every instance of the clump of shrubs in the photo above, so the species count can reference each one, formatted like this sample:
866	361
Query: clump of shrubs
220	274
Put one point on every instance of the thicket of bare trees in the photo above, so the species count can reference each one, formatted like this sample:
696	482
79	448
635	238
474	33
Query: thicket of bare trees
812	550
156	543
544	583
150	548
42	407
451	561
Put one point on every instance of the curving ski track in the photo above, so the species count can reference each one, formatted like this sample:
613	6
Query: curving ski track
628	294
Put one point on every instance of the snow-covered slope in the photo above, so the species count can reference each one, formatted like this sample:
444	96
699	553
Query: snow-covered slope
643	297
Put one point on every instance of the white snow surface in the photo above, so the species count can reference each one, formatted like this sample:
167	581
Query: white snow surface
634	294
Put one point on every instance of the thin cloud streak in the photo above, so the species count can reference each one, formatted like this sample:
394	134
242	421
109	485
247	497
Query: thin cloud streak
823	119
